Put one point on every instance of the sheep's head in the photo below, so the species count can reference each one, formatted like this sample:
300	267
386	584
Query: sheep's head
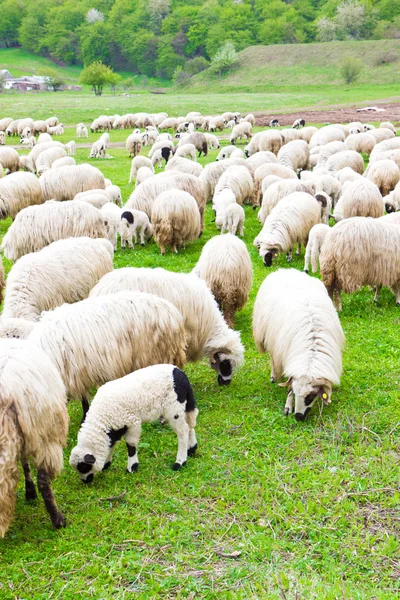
226	360
304	393
268	253
84	461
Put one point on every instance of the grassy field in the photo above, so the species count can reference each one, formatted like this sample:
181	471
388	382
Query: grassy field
311	509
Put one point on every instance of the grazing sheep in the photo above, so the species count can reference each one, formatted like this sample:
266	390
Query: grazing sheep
175	219
273	123
325	183
137	162
361	251
392	144
198	140
34	426
207	332
265	170
133	144
46	158
382	134
24	124
361	142
278	191
112	220
212	141
9	158
237	179
262	157
240	131
270	141
306	133
388	125
290	135
361	198
29	142
295	322
66	161
98	150
393	155
294	155
39	127
12	128
38	226
329	150
4	123
143	174
348	158
346	174
102	123
17	191
169	123
81	131
58	130
66	182
186	151
299	123
385	174
71	148
225	266
213	171
233	220
120	407
64	271
316	238
37	150
183	165
101	339
134	223
289	222
160	145
325	135
221	202
52	121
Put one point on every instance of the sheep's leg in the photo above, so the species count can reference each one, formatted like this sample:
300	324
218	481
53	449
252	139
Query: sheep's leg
192	446
181	428
377	293
162	249
132	438
48	497
134	234
274	378
30	489
123	242
307	258
298	251
107	464
289	403
174	249
241	230
85	407
289	256
337	299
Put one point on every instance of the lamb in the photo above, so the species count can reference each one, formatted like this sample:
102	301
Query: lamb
198	140
212	141
134	144
159	155
213	171
64	271
149	137
221	202
340	160
52	121
143	174
240	131
23	124
278	191
119	409
233	220
66	182
361	198
137	162
66	161
99	149
361	142
175	219
237	179
38	226
186	151
361	251
299	123
101	124
225	266
316	238
134	223
289	222
294	155
183	165
295	322
29	142
46	158
81	131
114	194
207	332
112	219
385	174
34	426
9	158
325	183
37	150
58	130
12	128
71	148
17	191
101	339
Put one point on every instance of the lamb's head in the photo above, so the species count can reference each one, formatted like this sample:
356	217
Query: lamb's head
267	252
305	392
84	461
228	359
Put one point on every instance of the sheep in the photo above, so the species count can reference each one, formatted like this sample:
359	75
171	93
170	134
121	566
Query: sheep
159	118
149	137
306	133
12	128
2	138
27	132
98	150
213	171
34	426
294	155
237	179
225	152
381	134
225	266
143	174
112	219
361	251
240	131
183	165
175	219
261	157
101	339
38	226
385	174
52	121
268	181
143	120
316	238
145	194
361	198
45	159
393	155
66	161
137	162
208	335
169	123
64	271
66	182
251	119
71	148
348	158
273	123
29	142
233	219
265	170
212	141
388	125
325	183
164	136
23	124
96	200
270	141
81	131
346	174
289	222
327	150
39	127
134	222
278	191
17	191
198	140
295	322
325	135
186	151
4	123
9	158
361	142
290	135
221	202
133	144
120	407
160	145
298	123
159	155
230	124
114	194
58	130
37	150
101	123
392	144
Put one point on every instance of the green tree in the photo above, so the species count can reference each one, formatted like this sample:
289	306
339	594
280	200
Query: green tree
128	83
225	59
53	79
351	69
11	13
30	34
97	76
95	43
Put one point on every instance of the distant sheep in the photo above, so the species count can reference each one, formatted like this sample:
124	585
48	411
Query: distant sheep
198	140
240	131
81	131
299	123
71	148
361	142
134	223
134	144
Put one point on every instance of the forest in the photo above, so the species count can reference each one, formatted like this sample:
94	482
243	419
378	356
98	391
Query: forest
162	37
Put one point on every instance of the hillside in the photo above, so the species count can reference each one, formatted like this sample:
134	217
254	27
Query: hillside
262	67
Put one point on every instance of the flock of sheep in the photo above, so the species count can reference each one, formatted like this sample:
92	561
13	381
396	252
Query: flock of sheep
71	322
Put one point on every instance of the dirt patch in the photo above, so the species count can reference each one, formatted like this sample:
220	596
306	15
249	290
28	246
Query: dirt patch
335	115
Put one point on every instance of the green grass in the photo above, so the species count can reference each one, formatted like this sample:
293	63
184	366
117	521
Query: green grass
311	507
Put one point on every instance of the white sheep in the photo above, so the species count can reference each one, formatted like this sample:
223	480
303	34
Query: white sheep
360	198
208	335
237	179
212	141
198	139
385	174
135	223
240	131
360	142
316	238
64	271
295	322
221	202
46	158
65	161
348	158
186	151
112	220
143	174
325	135
213	171
225	266
34	426
160	145
71	148
120	407
38	226
81	131
137	162
66	182
184	165
17	191
265	170
233	220
133	144
225	152
98	150
29	142
9	158
175	219
294	155
279	190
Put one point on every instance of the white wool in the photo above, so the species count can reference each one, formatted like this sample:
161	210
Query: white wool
112	220
175	219
137	162
225	198
66	182
184	165
279	190
316	238
213	171
186	151
348	158
17	191
140	227
294	155
66	161
360	198
385	174
237	179
233	220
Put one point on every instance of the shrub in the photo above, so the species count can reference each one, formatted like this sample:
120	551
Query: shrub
386	58
225	59
128	83
52	79
196	65
180	77
351	69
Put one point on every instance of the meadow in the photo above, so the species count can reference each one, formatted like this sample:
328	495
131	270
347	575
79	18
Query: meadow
269	507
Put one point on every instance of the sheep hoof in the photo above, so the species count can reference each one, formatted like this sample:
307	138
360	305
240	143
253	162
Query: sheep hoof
142	244
397	303
106	466
134	468
30	493
192	450
306	271
287	411
273	380
59	521
176	466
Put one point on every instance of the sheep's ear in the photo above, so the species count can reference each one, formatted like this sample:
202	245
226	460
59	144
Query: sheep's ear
89	459
286	383
325	396
216	359
321	199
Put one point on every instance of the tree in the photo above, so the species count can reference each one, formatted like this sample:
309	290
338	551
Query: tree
326	30
10	20
94	16
97	76
52	78
225	59
350	19
351	69
95	43
115	78
128	83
